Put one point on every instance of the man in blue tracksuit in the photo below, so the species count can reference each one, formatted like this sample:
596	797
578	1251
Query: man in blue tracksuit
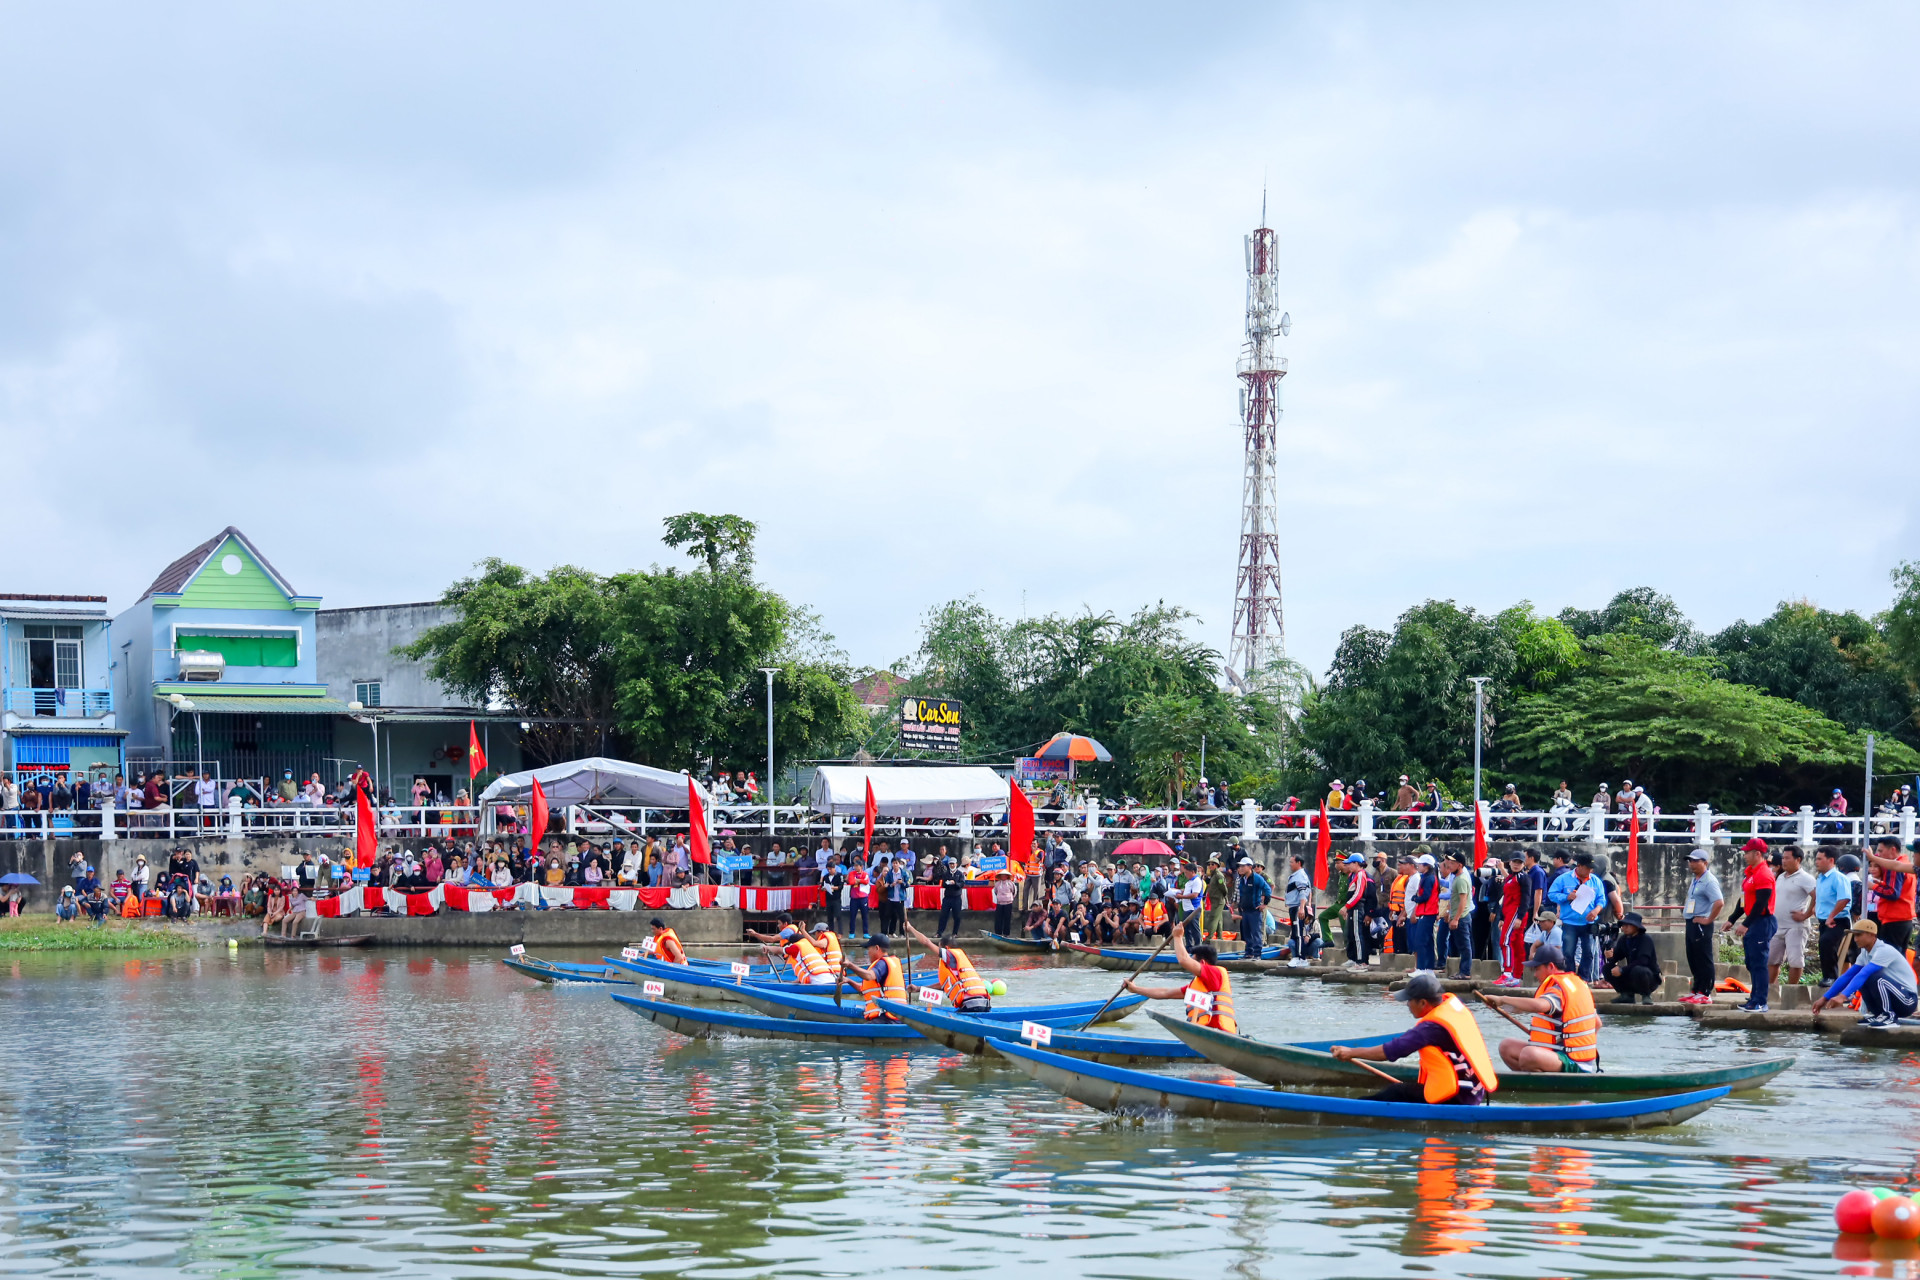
1252	893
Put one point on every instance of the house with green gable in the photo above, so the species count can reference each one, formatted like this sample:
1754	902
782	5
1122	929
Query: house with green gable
217	662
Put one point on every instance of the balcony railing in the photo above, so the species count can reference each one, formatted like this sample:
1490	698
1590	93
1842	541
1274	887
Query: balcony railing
76	704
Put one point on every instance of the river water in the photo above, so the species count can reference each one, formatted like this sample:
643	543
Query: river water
436	1115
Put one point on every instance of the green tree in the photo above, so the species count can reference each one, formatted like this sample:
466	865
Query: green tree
1641	612
1839	664
1902	621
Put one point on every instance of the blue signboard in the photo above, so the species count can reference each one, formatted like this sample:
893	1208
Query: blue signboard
992	864
734	861
362	875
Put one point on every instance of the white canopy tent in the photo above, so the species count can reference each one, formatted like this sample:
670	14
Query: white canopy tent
595	780
909	791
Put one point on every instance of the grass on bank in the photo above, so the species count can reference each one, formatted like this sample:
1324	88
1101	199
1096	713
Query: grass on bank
44	933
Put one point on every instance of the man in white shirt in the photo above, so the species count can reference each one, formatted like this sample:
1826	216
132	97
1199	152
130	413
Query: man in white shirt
1793	891
1192	896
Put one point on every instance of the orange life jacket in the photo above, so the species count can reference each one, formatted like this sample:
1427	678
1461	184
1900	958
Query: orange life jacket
830	947
1441	1073
666	946
130	907
1397	896
1577	1030
958	978
894	987
1154	914
1216	1010
808	964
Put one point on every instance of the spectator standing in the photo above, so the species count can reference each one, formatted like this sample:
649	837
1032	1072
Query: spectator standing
1459	906
1793	895
1406	797
1252	893
1832	911
1356	912
1004	893
1756	931
953	895
1298	897
1893	891
1423	897
1581	896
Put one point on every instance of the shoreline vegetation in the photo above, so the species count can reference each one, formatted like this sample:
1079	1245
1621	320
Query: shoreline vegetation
42	933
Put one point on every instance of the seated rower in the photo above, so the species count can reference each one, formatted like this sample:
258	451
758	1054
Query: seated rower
882	978
1882	977
666	943
1209	996
809	966
966	989
1565	1033
1455	1068
828	943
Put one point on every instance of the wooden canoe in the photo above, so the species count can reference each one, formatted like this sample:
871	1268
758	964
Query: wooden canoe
549	971
1018	946
853	1006
967	1034
1311	1065
1126	961
328	940
692	976
1143	1093
703	1023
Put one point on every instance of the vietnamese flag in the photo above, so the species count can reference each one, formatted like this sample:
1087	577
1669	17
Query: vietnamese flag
366	835
699	847
1019	824
1479	835
537	815
873	815
476	758
1322	845
1633	850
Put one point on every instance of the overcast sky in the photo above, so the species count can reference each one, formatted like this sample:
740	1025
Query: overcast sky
948	299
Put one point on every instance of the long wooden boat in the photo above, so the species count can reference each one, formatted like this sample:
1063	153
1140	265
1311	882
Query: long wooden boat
1311	1065
703	1023
551	971
689	975
1127	1092
1125	961
853	1006
1018	946
324	940
971	1035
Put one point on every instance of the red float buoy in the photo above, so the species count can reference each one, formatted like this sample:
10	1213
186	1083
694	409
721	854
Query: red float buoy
1854	1212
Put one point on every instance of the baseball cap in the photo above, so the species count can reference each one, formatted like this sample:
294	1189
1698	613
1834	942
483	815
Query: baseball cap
1421	986
1425	860
1352	857
1699	855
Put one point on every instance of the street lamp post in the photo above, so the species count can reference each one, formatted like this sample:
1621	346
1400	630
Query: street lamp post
1479	713
769	673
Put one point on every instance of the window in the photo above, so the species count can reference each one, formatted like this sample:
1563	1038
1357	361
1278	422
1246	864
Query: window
47	656
246	651
367	693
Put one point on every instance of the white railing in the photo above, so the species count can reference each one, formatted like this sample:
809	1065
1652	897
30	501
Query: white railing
1090	820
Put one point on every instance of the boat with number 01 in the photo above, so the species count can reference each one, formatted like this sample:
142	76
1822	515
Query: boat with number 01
780	1004
1143	1093
1312	1065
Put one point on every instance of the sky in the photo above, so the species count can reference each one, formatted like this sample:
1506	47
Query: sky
947	299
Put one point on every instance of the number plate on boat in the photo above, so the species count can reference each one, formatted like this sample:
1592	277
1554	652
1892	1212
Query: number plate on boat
741	970
1035	1032
516	950
629	953
932	995
653	988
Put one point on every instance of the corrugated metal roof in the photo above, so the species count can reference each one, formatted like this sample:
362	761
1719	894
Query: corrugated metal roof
272	706
42	729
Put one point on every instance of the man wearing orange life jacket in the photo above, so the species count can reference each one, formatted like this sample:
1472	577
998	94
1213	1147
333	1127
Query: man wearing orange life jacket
1209	996
1153	915
882	978
966	989
1455	1067
809	966
666	943
827	942
1565	1032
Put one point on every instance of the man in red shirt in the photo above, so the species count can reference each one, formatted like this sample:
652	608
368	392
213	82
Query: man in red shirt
1756	904
1893	884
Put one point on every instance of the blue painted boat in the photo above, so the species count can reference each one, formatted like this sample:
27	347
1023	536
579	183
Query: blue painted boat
780	1004
727	983
551	971
704	1023
1141	1093
965	1033
1123	961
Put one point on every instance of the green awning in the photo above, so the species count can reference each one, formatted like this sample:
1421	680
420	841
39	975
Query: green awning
246	651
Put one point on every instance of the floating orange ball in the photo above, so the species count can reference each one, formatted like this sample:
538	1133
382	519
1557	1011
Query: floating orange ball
1854	1213
1896	1218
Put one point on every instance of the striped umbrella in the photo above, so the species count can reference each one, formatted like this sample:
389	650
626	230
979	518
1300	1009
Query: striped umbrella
1072	746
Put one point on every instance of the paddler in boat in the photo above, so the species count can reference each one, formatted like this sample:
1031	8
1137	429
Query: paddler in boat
1209	996
1455	1067
809	966
828	943
966	990
666	943
1564	1033
882	978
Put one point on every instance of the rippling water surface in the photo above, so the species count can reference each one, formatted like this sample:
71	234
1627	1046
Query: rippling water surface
437	1115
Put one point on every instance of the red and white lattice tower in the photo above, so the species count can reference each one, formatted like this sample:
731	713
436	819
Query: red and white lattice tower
1259	632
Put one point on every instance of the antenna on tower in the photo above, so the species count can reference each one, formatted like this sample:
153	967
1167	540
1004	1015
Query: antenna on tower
1259	630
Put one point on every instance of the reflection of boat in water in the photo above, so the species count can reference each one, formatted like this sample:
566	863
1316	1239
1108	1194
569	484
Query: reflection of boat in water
1118	1089
1311	1064
313	940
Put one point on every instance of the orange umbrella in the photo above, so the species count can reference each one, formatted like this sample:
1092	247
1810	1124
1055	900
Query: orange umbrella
1072	746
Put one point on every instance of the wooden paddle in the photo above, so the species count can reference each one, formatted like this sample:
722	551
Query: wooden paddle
1129	978
1502	1012
1361	1062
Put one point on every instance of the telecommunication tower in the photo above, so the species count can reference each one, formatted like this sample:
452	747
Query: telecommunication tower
1259	631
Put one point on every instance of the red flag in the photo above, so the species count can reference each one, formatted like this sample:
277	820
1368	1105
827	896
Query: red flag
537	815
873	815
476	758
1479	835
1322	843
699	847
1633	850
1019	824
366	834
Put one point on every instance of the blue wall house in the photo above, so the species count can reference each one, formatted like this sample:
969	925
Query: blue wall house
215	666
56	688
